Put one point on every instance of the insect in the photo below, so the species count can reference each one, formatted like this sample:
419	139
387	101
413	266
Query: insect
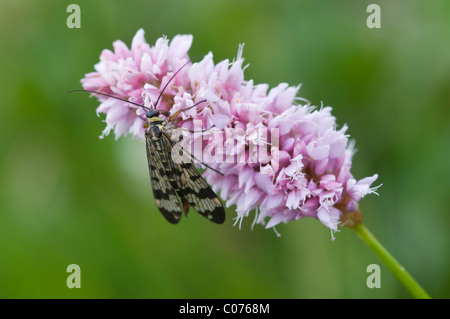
177	178
174	181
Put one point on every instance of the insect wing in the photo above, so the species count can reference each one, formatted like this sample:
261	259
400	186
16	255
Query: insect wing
191	186
163	192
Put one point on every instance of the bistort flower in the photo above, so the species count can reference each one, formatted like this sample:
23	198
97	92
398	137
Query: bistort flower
280	158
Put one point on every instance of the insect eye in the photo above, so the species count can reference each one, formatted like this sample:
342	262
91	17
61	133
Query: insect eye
152	113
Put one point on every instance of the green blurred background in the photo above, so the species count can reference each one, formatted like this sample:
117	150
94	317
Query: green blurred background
67	197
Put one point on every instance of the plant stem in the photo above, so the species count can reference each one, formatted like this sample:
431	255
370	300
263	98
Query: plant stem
394	266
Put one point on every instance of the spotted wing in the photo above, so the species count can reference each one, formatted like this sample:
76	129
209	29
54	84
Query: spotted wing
190	186
163	192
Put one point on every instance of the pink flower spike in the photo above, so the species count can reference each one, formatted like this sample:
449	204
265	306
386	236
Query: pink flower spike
280	156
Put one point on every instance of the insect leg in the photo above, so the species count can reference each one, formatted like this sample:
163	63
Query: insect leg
182	110
193	158
192	131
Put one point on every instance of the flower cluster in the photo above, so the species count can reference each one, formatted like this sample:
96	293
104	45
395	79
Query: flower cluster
306	171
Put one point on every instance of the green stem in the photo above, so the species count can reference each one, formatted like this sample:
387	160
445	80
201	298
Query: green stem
402	275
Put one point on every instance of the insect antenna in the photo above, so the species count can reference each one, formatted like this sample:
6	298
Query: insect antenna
137	104
109	95
173	76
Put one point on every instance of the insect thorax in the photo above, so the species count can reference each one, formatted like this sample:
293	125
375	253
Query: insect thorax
155	128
